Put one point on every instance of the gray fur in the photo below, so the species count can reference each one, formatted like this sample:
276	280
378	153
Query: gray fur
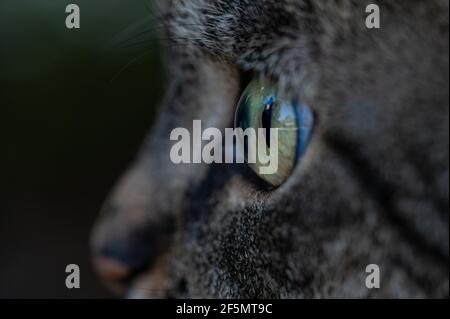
372	187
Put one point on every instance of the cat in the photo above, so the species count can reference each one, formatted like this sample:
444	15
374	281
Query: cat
372	187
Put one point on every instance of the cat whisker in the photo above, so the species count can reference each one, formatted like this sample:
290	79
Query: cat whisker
129	64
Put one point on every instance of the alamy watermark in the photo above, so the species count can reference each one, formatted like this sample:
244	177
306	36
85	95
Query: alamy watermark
251	147
373	18
373	280
73	278
73	17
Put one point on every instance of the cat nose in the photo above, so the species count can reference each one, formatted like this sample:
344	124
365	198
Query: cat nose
118	254
113	274
133	230
123	247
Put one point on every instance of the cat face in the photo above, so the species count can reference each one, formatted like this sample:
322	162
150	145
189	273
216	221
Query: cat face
370	188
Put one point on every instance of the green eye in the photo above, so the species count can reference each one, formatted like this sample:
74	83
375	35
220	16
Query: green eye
283	129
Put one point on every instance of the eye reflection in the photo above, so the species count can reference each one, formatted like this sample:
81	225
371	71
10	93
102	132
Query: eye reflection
261	107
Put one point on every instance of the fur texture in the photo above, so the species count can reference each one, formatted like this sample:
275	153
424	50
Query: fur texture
372	187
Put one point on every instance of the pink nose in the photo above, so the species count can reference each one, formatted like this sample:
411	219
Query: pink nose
113	274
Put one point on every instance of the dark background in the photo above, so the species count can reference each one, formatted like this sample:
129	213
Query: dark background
74	107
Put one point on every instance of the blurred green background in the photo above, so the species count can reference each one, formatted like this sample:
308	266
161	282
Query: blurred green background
74	108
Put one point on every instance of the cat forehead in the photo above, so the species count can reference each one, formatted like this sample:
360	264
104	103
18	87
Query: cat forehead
278	38
229	27
256	35
226	27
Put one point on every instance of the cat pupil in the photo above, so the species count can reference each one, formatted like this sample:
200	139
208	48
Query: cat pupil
267	121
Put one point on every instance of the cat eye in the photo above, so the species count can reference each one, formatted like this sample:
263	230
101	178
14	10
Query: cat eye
263	109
